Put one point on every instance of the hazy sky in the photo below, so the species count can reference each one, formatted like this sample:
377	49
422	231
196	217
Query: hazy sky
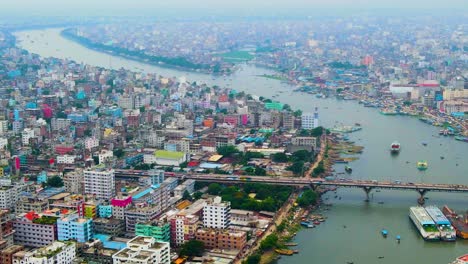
222	4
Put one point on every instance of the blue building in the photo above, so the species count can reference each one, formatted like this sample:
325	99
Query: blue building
78	117
105	211
42	177
73	227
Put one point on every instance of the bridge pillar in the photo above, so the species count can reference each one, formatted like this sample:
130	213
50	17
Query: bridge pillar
367	190
421	199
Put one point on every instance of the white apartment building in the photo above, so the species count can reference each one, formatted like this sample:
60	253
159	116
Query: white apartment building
217	214
60	123
100	182
3	143
57	252
126	101
105	155
66	159
143	250
307	121
26	135
91	143
3	126
9	195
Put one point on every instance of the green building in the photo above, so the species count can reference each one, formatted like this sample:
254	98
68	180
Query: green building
274	106
160	231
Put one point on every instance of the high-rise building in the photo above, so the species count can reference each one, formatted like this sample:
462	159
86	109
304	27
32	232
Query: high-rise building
144	250
6	228
217	214
73	227
32	230
160	230
58	252
100	182
307	121
183	228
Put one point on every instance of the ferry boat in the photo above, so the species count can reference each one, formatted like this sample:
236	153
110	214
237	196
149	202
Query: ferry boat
422	165
459	222
384	233
348	169
447	232
424	223
395	147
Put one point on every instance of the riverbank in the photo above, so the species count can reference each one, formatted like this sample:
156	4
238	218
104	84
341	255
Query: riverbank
374	163
139	56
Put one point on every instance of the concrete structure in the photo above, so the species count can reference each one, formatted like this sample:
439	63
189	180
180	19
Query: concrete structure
28	204
66	159
32	230
217	214
73	227
165	158
307	121
100	182
119	205
109	226
143	250
183	228
140	214
222	239
26	134
58	252
6	228
6	255
105	156
160	230
73	181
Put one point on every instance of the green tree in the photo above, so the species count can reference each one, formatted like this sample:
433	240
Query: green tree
279	157
55	181
214	189
119	153
302	155
192	248
307	198
270	242
197	195
253	259
227	150
297	167
316	132
260	171
297	113
186	196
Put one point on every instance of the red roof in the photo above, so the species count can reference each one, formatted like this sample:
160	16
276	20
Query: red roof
31	216
193	164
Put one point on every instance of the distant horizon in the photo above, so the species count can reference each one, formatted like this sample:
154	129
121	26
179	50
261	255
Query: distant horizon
231	12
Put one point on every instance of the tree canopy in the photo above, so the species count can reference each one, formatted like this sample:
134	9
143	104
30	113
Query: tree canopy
192	248
55	181
307	198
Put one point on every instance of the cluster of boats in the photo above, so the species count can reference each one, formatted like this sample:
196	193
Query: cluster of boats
313	221
395	148
384	233
433	224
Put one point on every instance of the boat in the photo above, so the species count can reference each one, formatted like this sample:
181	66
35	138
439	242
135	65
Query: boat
348	169
287	252
424	143
461	260
291	244
422	165
459	222
388	112
398	238
424	223
307	224
384	233
447	232
460	138
395	147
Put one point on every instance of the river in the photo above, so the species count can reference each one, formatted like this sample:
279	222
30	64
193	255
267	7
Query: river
360	242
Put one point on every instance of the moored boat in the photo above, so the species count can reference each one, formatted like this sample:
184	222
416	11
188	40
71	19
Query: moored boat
459	222
424	223
348	169
447	232
287	252
461	260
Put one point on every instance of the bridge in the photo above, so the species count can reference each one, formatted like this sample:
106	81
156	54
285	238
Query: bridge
366	185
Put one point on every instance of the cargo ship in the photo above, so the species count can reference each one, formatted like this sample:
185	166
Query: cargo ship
395	147
424	223
459	222
447	232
